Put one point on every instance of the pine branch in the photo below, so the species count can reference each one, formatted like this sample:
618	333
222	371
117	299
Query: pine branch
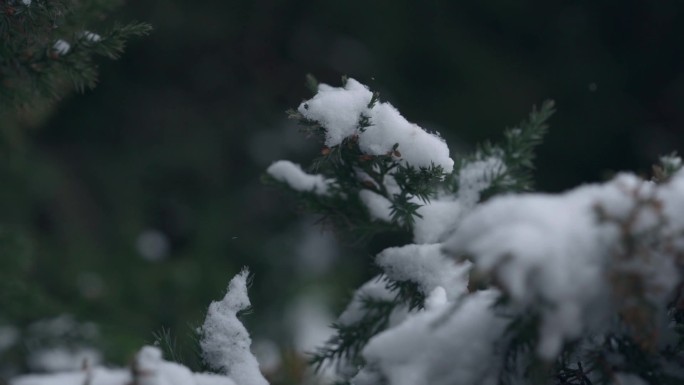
516	152
349	340
48	48
520	142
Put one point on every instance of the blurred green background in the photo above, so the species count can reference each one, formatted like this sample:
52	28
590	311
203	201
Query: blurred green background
132	205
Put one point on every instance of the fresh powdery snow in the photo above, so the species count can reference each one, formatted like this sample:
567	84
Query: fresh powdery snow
475	177
378	206
441	345
225	341
297	179
340	109
426	266
438	219
555	249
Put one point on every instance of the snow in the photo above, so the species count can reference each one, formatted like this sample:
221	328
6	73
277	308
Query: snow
225	342
426	266
379	207
475	177
553	249
438	219
59	359
542	247
297	179
91	37
440	346
339	111
436	299
147	368
417	147
61	47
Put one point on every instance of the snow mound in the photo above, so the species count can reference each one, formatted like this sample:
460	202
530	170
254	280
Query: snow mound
558	250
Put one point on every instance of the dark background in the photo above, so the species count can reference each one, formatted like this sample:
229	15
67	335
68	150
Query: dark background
177	133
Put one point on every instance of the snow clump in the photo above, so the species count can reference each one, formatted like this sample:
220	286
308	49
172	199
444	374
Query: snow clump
297	179
439	346
476	176
341	109
225	342
61	47
426	266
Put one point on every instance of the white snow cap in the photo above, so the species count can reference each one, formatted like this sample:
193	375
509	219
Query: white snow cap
225	342
61	47
296	178
340	109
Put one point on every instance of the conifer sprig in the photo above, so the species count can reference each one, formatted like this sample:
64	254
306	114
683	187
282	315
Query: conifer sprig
348	341
49	47
515	151
354	171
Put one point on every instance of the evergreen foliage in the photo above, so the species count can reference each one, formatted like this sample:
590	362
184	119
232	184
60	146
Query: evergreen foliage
631	348
49	47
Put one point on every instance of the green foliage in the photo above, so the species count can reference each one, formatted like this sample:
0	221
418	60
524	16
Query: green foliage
516	151
20	300
349	340
49	47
